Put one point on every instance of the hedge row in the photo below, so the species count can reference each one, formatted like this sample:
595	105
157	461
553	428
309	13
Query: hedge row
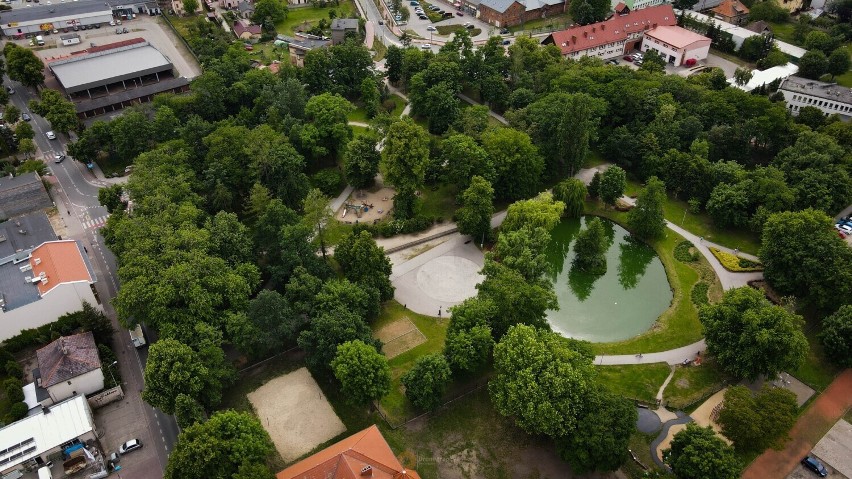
684	253
734	263
386	229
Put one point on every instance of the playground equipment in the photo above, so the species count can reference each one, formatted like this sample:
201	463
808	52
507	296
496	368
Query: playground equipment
358	209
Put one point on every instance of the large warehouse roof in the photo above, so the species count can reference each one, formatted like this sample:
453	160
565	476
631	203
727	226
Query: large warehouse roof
56	11
102	68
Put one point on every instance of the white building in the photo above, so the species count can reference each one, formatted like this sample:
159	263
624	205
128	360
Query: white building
830	98
38	285
69	366
41	437
739	34
676	45
765	77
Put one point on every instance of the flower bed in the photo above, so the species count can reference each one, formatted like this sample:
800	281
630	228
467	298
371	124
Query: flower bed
734	263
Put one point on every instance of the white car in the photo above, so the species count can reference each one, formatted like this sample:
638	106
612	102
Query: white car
426	46
430	28
129	446
50	135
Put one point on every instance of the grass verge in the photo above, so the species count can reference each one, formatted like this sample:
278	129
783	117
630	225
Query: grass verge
448	29
692	384
395	405
639	382
311	15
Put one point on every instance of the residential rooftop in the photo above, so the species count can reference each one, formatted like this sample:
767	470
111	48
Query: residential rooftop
22	194
818	89
675	36
23	233
67	357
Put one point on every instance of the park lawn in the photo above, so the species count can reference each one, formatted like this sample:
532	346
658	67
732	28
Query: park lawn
181	24
395	405
553	23
359	130
640	445
440	202
677	212
816	371
845	79
783	31
469	438
639	382
312	15
359	114
678	325
689	385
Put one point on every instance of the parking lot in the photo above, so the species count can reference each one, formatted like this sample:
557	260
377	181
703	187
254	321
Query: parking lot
421	27
153	29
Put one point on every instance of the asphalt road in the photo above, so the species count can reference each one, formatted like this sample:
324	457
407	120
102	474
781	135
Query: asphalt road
75	193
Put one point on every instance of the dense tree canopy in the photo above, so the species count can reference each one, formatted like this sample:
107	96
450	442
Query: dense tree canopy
696	453
404	159
364	262
329	330
837	336
474	217
647	220
363	372
757	422
573	193
426	381
540	381
590	248
221	448
750	337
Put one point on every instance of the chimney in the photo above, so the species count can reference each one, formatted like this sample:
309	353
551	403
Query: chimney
603	26
573	38
585	34
63	347
367	471
593	29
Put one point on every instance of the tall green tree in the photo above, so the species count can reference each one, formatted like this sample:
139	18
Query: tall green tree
757	422
474	217
540	381
523	250
364	262
590	248
363	372
269	12
329	330
813	64
836	336
647	219
361	161
697	453
426	381
585	12
468	350
573	193
393	61
464	158
603	437
542	211
24	66
517	300
172	369
220	448
838	62
613	181
328	130
518	166
803	256
751	337
318	216
404	160
61	113
267	325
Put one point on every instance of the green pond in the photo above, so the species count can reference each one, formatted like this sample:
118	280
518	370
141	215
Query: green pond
620	304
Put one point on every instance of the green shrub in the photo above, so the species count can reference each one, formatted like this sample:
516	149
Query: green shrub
699	294
14	369
5	356
18	410
683	252
329	181
732	262
13	390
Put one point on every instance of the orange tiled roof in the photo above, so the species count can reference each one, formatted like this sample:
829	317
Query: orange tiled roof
61	262
347	458
615	29
731	8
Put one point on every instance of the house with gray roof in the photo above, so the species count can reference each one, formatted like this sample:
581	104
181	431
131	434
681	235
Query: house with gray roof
830	98
507	13
69	366
340	27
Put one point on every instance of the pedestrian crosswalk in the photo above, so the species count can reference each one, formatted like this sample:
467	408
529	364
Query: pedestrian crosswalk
95	223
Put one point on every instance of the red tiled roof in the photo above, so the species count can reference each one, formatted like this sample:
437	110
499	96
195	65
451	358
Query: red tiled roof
615	29
730	8
241	27
347	458
60	262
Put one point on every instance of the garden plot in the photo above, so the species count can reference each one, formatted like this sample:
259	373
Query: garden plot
399	336
295	413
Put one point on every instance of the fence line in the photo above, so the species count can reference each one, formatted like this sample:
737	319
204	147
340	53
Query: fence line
180	37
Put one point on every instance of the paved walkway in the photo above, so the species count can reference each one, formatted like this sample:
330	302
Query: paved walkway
830	406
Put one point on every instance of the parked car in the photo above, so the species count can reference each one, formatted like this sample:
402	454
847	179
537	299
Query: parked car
430	28
426	46
846	229
118	31
815	466
627	58
10	90
507	42
112	23
459	14
504	31
26	117
124	30
248	47
50	135
613	61
423	17
58	157
130	446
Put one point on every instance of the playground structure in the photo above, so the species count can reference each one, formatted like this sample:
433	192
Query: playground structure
366	206
358	209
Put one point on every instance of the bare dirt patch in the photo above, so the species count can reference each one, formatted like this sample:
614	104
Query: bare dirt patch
295	413
682	383
399	336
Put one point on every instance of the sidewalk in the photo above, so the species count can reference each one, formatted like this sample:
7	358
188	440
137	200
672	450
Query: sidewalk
830	406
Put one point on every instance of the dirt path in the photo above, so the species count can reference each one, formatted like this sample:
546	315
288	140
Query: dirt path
830	406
